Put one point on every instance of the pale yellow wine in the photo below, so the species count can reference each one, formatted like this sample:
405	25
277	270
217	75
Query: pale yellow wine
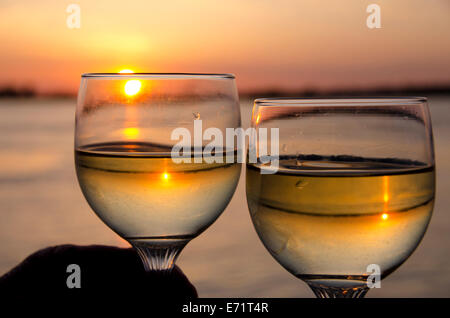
138	191
324	219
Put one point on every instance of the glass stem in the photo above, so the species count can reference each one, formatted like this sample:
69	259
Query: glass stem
323	291
158	255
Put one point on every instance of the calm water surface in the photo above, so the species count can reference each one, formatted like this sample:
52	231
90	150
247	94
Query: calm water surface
42	205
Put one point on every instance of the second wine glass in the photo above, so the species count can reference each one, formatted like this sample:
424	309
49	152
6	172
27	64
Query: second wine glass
354	189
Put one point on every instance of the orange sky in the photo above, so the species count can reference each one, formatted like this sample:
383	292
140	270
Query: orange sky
265	43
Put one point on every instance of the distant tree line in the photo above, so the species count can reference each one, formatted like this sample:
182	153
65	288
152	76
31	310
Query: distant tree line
26	92
377	91
17	92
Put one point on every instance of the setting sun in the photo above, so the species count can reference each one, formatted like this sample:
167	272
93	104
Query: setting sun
126	71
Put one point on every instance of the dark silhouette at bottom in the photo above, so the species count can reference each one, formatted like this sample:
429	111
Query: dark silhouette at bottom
105	272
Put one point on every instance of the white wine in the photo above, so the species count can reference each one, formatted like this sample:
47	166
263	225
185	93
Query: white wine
138	191
329	218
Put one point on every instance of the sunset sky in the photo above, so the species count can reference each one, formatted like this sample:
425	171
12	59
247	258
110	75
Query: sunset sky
266	44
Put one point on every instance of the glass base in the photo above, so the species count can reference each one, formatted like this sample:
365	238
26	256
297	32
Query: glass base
337	287
159	254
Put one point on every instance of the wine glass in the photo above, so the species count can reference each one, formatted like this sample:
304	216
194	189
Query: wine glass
156	196
353	190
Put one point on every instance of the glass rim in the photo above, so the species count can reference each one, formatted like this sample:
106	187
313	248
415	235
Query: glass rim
161	75
344	101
